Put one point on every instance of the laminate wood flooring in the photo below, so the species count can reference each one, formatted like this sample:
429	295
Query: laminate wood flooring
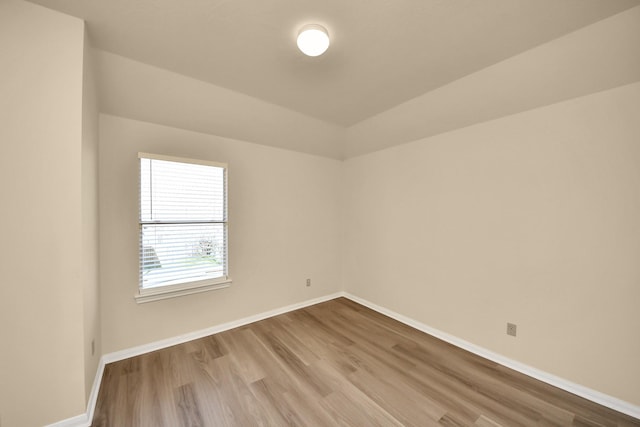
332	364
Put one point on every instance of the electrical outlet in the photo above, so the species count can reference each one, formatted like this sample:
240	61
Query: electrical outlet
93	348
308	282
511	329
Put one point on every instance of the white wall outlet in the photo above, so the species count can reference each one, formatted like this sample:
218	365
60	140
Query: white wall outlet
511	329
308	282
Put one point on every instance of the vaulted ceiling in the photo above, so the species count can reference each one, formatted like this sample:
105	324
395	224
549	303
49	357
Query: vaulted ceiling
383	52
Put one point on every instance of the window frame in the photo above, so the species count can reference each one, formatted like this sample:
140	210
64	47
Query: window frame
188	287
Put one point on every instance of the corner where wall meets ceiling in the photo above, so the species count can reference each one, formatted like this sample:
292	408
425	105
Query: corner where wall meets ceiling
395	71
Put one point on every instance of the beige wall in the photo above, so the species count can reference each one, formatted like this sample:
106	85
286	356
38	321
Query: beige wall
41	296
284	228
597	57
530	219
143	92
90	232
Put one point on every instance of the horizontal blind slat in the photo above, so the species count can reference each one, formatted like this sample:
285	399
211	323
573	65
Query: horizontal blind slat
183	229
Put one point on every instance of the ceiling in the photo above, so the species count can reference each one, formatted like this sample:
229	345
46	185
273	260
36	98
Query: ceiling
383	52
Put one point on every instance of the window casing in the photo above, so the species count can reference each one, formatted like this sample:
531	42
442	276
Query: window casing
183	226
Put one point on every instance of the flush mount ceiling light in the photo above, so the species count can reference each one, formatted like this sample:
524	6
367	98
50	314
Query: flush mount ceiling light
313	40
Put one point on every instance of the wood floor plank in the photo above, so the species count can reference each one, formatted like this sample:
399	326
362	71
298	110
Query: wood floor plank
406	409
335	363
289	361
281	331
241	402
468	383
188	410
463	411
362	412
246	351
483	421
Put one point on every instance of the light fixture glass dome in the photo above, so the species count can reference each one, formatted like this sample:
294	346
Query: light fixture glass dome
313	40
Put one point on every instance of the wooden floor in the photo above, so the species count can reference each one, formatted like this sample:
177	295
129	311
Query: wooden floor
335	363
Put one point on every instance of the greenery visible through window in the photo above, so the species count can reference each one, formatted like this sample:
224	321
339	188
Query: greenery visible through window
183	221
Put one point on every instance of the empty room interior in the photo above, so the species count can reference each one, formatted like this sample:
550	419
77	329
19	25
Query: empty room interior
430	216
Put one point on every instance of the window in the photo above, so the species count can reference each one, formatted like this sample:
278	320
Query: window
183	226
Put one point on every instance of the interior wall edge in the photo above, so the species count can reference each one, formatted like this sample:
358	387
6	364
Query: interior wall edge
143	92
353	155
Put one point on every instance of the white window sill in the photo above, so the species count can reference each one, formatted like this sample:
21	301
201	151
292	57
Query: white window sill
172	291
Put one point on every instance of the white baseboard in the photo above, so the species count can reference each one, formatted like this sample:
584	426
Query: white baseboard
78	421
577	389
85	419
158	345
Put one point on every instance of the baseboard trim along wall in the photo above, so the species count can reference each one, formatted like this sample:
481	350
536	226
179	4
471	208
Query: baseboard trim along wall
577	389
85	419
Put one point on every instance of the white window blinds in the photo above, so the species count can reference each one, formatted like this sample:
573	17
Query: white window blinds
183	221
